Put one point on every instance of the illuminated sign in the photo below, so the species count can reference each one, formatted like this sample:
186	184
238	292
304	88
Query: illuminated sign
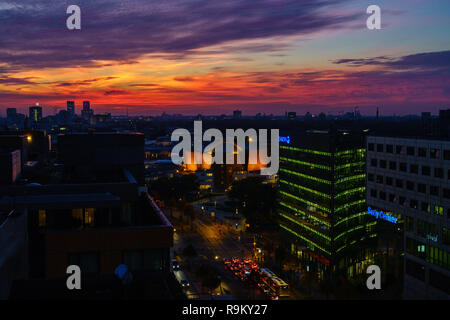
286	139
381	215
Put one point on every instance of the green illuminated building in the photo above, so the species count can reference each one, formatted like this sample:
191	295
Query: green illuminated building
321	204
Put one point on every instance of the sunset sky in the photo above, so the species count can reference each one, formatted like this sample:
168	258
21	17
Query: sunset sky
212	57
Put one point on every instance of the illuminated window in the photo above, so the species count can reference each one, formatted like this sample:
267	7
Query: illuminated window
77	215
42	217
89	217
439	210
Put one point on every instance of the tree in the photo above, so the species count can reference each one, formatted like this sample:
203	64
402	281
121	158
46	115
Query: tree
211	281
189	251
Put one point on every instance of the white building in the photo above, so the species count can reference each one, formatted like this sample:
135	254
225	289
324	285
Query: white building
410	179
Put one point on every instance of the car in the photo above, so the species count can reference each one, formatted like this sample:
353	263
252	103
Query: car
274	297
175	265
185	283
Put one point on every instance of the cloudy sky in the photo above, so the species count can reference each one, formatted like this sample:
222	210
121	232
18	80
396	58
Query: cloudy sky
211	57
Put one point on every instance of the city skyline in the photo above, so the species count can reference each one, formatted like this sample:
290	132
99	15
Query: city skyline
194	57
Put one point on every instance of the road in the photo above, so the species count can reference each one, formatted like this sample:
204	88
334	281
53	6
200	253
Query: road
214	239
214	242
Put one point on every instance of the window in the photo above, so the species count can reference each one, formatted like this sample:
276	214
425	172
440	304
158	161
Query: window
426	170
425	228
414	168
413	203
438	210
389	181
371	147
403	166
399	149
410	185
89	217
446	193
379	179
89	262
42	218
410	151
402	201
446	154
83	217
370	177
422	188
409	224
434	153
422	152
446	236
133	259
383	164
434	190
373	162
373	193
399	183
382	195
392	165
392	197
438	172
389	148
380	148
425	206
147	260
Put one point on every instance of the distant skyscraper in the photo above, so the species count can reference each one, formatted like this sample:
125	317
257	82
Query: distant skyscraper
35	114
86	105
87	112
11	113
71	108
237	114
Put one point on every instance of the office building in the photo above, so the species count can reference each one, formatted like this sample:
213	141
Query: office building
408	178
87	112
35	114
11	113
71	108
321	203
10	166
97	215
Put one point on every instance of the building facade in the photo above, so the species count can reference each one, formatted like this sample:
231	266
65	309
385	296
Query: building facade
322	205
409	178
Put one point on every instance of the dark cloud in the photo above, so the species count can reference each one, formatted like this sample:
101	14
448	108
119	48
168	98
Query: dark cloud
439	60
82	82
9	81
35	35
115	92
184	79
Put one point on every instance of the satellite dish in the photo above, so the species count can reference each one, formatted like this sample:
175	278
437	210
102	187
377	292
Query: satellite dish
123	273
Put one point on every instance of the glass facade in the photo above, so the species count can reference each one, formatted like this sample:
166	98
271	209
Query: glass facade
321	203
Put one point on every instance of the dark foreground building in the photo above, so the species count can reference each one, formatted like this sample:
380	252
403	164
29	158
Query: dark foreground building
322	206
97	216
